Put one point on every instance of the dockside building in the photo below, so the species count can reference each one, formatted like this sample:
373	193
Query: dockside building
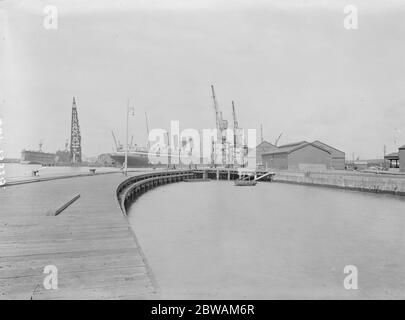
338	157
298	156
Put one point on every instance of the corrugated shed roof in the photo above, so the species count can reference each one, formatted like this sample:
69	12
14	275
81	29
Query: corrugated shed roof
392	155
293	144
288	148
266	143
326	146
403	147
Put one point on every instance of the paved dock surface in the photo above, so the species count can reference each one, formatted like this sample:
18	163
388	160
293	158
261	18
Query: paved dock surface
90	243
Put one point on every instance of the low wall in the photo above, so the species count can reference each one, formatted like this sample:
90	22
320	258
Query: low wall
345	180
131	188
225	174
57	177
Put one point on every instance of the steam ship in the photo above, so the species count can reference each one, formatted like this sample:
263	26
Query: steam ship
37	157
45	158
137	157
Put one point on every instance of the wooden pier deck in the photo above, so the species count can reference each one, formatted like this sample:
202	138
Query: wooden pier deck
91	244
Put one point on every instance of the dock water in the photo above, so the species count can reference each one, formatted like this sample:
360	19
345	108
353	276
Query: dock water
91	243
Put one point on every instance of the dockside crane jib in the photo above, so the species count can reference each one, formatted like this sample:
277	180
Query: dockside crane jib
278	138
222	126
235	121
217	112
235	131
118	145
147	130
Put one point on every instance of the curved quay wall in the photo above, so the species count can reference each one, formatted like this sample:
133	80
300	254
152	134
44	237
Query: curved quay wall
133	187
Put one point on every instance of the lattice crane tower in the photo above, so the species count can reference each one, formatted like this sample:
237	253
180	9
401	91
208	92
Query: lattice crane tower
75	137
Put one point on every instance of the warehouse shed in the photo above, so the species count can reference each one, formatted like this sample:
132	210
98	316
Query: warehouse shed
298	156
262	148
401	156
338	157
393	158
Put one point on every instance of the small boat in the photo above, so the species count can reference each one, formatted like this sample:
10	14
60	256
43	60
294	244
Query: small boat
245	176
245	182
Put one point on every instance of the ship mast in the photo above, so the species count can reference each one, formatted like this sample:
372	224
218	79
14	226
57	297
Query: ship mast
147	129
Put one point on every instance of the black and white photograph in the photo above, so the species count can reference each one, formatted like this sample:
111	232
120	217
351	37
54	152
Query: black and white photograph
202	150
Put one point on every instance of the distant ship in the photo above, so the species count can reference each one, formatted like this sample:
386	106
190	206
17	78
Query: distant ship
37	157
137	157
44	158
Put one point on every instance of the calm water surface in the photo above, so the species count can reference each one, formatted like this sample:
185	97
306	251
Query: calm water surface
216	240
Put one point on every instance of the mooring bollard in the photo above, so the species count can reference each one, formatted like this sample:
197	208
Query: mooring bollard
92	171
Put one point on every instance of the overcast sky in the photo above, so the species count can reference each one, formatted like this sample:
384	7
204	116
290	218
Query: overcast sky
290	65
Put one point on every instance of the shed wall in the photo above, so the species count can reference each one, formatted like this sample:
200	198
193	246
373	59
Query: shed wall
309	155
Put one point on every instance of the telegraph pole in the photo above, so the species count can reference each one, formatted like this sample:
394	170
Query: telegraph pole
385	151
261	132
168	152
126	143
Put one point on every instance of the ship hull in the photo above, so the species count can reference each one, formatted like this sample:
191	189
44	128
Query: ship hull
37	157
134	161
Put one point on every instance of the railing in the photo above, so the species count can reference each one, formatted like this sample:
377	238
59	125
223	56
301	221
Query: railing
229	174
131	188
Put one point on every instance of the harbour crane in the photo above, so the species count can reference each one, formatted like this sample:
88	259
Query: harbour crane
147	129
41	143
276	142
132	141
235	121
115	140
235	130
221	125
261	132
217	112
118	146
220	122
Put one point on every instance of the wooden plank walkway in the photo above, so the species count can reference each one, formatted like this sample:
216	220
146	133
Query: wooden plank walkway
90	242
